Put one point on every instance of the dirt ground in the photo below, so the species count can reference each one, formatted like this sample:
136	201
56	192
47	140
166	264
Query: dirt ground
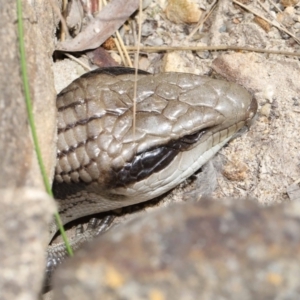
265	161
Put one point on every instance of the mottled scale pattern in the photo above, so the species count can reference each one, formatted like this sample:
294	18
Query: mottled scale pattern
95	118
182	120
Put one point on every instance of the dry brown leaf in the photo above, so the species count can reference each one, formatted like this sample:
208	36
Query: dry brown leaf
101	58
106	22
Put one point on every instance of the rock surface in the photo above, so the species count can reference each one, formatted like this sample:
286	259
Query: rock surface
25	209
232	249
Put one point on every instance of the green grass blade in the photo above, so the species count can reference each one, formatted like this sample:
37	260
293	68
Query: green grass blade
32	123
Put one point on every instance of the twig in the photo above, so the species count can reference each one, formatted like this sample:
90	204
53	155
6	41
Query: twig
202	20
78	61
212	48
64	32
273	23
120	45
136	64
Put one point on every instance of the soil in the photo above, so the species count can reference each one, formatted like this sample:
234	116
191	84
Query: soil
265	161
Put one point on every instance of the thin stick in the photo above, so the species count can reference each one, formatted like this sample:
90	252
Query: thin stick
275	5
212	48
120	45
120	52
85	66
123	47
64	32
202	20
136	64
277	25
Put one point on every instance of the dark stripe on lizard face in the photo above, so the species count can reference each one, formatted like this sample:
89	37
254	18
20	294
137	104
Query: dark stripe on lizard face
151	161
142	165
